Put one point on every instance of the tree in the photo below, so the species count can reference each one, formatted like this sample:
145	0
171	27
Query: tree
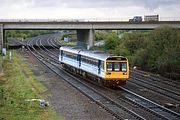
111	41
166	41
157	50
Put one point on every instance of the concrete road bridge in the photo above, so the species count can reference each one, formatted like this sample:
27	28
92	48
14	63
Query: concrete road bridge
85	29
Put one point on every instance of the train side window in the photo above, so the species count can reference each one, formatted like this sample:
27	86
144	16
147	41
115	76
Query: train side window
70	55
64	54
61	52
91	61
96	63
83	59
102	65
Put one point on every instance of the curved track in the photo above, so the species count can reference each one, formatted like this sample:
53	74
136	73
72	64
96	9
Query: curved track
118	111
50	59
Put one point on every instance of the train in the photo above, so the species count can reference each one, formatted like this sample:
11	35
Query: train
99	66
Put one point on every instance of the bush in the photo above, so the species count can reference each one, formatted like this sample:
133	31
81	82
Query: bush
111	41
140	59
157	50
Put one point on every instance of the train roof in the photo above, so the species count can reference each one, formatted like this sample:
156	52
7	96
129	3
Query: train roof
71	49
100	55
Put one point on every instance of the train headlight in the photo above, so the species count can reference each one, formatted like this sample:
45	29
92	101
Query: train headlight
108	73
124	73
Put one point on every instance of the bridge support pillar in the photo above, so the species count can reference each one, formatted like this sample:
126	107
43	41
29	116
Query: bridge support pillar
85	38
1	36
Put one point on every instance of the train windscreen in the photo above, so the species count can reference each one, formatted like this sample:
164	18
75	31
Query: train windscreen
117	66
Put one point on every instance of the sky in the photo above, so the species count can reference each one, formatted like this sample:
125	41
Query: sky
88	9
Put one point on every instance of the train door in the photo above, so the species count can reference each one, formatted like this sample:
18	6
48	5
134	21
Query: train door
79	60
61	55
99	66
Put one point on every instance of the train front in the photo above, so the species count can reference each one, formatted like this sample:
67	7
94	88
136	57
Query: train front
116	70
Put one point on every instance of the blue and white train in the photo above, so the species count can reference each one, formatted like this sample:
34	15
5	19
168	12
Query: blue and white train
97	65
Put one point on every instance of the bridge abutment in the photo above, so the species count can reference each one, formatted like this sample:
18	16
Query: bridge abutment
1	36
85	38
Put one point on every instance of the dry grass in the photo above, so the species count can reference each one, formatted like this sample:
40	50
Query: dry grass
20	85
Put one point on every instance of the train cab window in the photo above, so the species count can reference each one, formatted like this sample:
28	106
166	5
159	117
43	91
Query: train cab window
117	66
123	66
109	66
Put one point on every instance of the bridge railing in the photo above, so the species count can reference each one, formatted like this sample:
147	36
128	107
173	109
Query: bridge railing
110	19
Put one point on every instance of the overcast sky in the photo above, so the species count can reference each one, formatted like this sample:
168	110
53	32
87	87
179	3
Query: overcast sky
88	9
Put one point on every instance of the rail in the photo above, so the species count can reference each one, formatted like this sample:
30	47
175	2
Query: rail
108	104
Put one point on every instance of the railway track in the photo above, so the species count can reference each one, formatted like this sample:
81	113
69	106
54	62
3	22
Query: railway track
148	85
162	86
152	109
53	41
107	103
150	106
154	86
156	78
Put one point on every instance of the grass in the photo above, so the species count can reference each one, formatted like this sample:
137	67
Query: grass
18	84
70	43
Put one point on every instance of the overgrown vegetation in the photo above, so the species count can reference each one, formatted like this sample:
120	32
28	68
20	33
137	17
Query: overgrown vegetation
18	85
24	34
157	50
72	40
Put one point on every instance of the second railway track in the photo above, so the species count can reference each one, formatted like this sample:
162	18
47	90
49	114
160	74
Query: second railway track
107	103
